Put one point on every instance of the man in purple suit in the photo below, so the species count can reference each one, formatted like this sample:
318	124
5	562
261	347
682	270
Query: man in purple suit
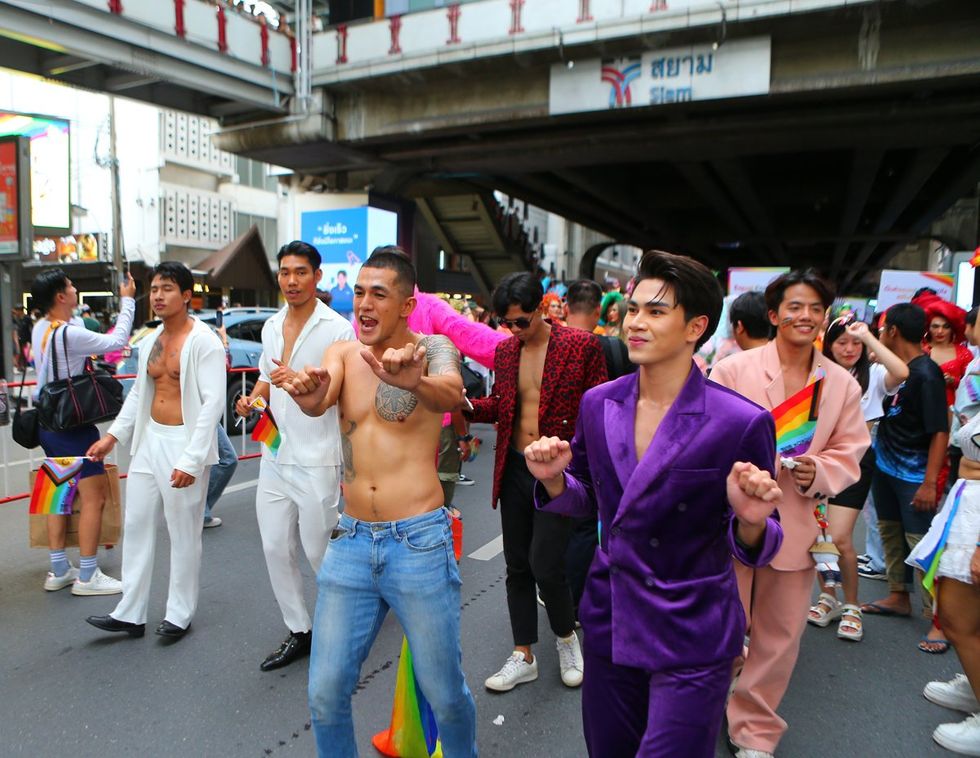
681	472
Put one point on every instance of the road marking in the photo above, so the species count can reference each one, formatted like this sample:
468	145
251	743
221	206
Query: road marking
240	487
489	551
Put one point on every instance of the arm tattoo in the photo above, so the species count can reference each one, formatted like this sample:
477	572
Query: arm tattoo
441	355
394	404
348	451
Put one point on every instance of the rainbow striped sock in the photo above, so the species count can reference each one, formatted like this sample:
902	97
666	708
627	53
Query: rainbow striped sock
59	563
87	564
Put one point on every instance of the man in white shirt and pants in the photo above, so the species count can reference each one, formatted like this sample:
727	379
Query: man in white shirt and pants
171	414
299	486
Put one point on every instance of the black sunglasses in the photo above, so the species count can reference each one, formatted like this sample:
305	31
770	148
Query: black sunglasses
520	323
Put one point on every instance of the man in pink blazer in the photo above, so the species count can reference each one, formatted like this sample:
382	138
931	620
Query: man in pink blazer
776	597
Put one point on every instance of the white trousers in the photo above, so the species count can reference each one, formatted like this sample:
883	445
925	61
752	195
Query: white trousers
148	487
295	505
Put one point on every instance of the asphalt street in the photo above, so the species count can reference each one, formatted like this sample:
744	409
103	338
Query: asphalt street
69	690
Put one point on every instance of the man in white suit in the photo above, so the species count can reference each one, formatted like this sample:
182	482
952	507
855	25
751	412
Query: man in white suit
171	415
299	485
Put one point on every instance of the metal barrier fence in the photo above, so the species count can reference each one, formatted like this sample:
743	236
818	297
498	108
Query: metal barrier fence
30	459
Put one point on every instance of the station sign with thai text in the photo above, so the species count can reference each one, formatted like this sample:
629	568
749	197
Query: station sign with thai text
738	68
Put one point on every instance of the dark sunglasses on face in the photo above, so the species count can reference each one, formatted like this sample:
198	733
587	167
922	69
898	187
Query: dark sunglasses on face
520	323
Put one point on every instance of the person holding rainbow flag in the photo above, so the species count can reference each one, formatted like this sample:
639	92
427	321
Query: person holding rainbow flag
820	437
299	478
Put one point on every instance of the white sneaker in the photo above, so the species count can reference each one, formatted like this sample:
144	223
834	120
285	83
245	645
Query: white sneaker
53	583
962	738
744	752
99	584
211	523
515	671
956	694
570	660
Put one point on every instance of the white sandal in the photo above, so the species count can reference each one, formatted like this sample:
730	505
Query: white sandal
827	609
851	626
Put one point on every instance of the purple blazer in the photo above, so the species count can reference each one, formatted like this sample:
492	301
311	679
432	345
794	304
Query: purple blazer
661	591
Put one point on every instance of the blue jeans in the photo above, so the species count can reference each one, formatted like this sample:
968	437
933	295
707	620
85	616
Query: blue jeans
369	567
221	472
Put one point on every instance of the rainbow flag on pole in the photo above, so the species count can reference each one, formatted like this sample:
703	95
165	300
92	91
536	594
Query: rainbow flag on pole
796	418
55	486
267	432
413	732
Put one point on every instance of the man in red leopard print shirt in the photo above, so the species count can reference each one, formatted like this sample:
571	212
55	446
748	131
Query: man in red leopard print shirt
542	371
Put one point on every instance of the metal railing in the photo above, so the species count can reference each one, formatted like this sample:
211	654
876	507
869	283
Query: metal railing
119	456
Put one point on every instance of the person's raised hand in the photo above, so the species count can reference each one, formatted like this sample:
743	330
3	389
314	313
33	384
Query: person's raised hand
127	287
281	374
399	367
858	329
547	458
752	492
309	386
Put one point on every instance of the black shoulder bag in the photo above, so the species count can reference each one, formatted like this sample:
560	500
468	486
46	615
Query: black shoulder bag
24	427
87	398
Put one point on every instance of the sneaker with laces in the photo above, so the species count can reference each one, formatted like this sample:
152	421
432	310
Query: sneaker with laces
54	583
570	660
211	523
868	572
962	738
515	671
99	584
465	481
956	694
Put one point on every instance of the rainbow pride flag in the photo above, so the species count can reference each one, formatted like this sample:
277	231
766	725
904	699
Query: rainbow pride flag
413	732
928	558
267	432
796	418
55	486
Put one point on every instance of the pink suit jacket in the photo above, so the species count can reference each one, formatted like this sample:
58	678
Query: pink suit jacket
840	439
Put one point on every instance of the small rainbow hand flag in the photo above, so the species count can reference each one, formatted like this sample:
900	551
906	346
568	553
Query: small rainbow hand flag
413	732
796	419
55	486
267	432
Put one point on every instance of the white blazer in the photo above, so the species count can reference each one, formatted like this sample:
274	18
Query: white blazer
202	398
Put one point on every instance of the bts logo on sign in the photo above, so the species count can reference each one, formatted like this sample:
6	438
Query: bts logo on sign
619	74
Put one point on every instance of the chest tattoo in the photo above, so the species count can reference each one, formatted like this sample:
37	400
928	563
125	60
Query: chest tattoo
394	404
156	353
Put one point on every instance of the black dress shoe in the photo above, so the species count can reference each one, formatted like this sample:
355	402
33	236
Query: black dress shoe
166	629
109	624
296	645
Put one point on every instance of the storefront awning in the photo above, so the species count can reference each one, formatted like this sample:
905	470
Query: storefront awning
241	264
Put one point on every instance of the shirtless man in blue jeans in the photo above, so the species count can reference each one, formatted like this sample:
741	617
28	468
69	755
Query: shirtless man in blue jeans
393	546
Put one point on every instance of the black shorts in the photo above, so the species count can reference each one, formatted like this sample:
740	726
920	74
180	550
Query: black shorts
856	495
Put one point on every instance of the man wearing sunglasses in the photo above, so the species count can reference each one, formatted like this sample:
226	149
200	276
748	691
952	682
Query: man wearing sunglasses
542	371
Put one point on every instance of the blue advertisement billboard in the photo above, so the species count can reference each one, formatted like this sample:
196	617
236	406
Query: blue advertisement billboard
345	237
